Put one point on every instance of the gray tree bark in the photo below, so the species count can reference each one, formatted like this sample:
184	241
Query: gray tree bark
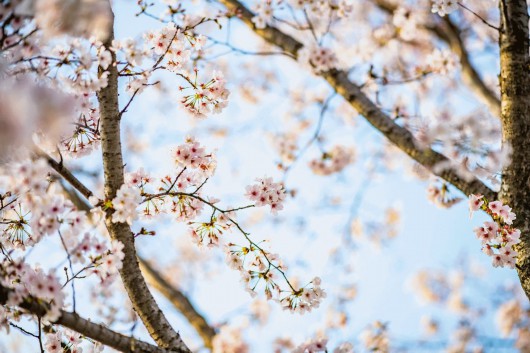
515	117
141	298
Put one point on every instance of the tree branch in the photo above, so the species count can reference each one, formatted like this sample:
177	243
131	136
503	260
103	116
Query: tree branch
141	298
179	300
449	32
339	80
85	327
515	95
64	172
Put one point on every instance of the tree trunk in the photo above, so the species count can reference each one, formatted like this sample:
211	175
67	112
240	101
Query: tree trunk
515	107
141	298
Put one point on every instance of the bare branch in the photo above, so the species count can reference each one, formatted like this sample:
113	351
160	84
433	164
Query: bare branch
479	17
339	80
179	301
65	173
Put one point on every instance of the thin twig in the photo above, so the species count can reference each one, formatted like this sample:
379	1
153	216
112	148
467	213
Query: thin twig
23	330
313	138
480	18
71	269
40	334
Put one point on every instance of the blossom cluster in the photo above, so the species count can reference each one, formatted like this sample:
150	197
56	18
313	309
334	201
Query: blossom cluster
169	41
173	49
21	228
26	281
305	299
193	156
286	145
28	110
467	140
207	97
256	265
440	195
133	54
444	7
498	237
406	21
108	264
375	338
209	233
53	78
68	341
263	14
86	136
320	345
125	204
321	59
509	316
197	166
318	7
172	194
443	62
377	230
77	62
264	10
267	192
441	288
229	340
37	210
512	317
88	18
314	345
334	161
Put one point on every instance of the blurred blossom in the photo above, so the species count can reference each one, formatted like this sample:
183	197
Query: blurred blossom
85	18
28	110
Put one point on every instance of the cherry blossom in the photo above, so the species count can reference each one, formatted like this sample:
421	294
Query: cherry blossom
375	337
332	161
407	21
344	348
85	18
319	58
444	7
192	155
125	204
498	237
443	62
264	14
440	196
475	203
318	345
53	342
267	192
229	340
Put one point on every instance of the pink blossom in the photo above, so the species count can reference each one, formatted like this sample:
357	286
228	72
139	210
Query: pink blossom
495	207
475	202
267	192
125	203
